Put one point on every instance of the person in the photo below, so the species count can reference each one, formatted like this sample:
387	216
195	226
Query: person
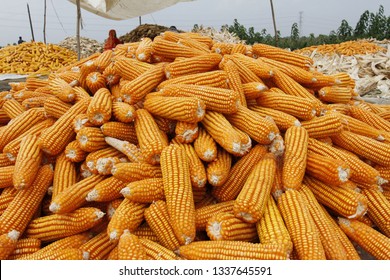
20	40
112	41
173	29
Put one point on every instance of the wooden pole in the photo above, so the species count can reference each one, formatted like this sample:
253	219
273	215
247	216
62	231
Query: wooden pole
44	24
273	19
139	20
78	29
29	16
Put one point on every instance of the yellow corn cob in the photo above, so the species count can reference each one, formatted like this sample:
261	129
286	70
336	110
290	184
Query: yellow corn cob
67	254
56	226
225	226
295	155
345	202
216	78
378	210
26	202
366	147
171	50
253	90
144	50
333	246
245	73
302	108
20	95
91	139
132	151
329	170
50	251
98	246
33	83
134	171
370	118
25	247
218	170
4	119
65	174
130	248
361	128
282	55
6	176
99	109
324	126
81	93
62	90
257	127
156	251
110	75
251	201
74	195
144	191
95	81
165	125
205	146
144	231
27	162
74	152
205	212
8	243
34	102
20	124
234	80
271	228
123	112
385	115
106	190
186	132
239	174
122	131
222	47
261	69
198	64
180	203
360	171
366	237
129	215
217	99
277	187
335	94
135	90
54	107
231	250
160	222
54	139
12	108
103	60
301	226
128	69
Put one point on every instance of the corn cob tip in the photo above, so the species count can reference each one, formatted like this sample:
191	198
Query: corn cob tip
360	211
50	191
214	229
381	181
344	221
247	217
92	195
54	207
125	191
214	179
380	138
208	154
113	235
343	173
13	235
297	123
200	111
99	215
11	157
187	239
85	255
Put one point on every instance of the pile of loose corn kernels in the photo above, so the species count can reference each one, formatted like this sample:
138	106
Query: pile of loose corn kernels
185	148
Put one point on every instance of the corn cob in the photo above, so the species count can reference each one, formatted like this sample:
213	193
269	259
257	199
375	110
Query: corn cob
302	108
216	78
33	83
7	195
144	191
81	93
239	174
301	226
130	248
54	139
324	126
56	226
271	228
62	90
135	90
361	128
171	50
99	109
222	48
74	153
378	210
12	108
295	155
370	118
123	112
335	94
106	190
98	246
384	115
26	202
328	170
6	176
25	247
333	246
130	150
251	201
122	131
134	171
129	69
110	75
253	90
144	231
80	121
157	252
129	215
225	226
231	250
368	238
95	81
345	202
366	147
160	222
8	243
217	99
173	158
186	109
91	139
218	170
65	174
258	128
186	132
205	212
20	124
205	146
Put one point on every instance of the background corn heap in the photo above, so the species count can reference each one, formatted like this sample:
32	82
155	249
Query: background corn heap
187	148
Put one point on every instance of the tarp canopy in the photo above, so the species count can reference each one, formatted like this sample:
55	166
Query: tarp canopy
125	9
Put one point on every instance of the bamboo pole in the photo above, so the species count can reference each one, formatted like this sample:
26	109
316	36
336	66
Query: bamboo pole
44	24
78	29
29	16
274	21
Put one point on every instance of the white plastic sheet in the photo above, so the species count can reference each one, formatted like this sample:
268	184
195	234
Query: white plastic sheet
125	9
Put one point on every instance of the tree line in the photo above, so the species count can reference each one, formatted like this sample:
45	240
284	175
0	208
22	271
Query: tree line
370	25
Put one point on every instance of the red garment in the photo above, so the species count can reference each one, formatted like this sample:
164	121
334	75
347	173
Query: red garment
112	40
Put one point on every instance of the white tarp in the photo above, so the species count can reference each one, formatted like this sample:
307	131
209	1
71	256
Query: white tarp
125	9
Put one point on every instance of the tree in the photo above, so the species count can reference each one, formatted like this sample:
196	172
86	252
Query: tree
362	25
294	37
344	32
377	24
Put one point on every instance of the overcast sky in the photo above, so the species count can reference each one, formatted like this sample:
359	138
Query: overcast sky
318	17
